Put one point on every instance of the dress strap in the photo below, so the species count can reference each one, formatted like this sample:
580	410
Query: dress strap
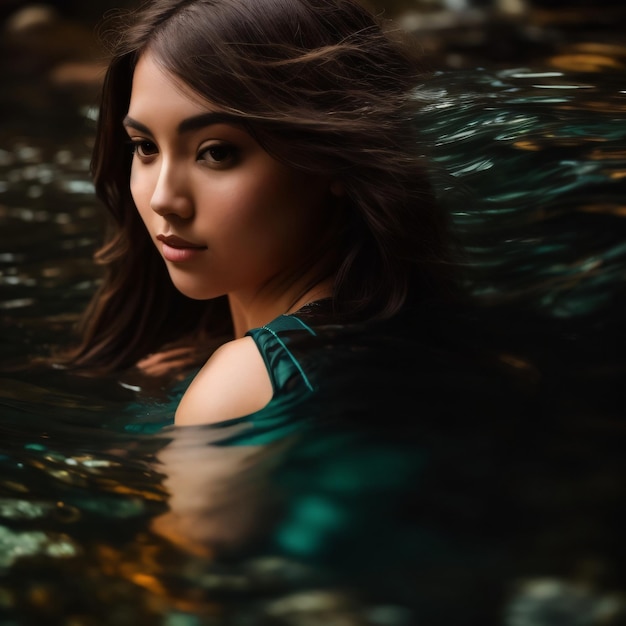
272	340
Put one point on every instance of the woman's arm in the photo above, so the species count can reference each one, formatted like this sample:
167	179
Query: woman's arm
234	382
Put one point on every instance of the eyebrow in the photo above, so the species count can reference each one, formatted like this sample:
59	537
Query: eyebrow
191	123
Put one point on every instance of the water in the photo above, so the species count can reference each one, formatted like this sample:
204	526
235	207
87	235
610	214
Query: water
473	475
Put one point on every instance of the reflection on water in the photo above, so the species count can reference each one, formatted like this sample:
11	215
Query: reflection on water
474	476
549	170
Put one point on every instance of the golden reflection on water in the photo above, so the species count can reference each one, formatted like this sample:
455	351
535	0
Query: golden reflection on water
528	145
11	485
582	62
619	210
589	57
552	141
603	154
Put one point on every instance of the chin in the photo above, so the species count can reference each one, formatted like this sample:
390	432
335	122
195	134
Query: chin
194	291
198	294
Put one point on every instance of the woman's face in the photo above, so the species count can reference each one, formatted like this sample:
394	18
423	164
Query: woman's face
226	216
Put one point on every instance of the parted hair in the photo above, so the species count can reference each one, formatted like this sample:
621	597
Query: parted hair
325	87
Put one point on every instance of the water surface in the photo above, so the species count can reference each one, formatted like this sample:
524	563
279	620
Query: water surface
474	475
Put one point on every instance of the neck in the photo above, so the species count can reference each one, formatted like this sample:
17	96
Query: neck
255	312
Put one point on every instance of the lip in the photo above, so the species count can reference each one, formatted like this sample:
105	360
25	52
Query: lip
177	249
178	242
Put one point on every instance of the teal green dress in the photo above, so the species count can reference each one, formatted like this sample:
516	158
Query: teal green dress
283	367
294	384
293	380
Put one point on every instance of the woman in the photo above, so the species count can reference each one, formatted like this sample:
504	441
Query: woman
274	182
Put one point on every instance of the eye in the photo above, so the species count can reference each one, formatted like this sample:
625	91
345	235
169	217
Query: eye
218	154
144	148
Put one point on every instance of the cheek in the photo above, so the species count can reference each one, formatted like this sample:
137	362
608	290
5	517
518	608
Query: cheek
134	184
140	192
243	206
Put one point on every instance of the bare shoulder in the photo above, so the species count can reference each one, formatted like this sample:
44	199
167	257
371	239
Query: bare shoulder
234	382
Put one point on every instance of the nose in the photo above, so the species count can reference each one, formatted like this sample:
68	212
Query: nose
171	196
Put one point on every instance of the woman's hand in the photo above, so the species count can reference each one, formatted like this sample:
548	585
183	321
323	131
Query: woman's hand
167	362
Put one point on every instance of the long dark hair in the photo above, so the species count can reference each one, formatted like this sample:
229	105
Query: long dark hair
323	88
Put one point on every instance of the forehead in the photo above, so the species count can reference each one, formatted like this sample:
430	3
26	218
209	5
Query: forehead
160	102
154	87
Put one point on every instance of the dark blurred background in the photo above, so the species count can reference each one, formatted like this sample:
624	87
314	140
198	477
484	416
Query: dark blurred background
58	40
